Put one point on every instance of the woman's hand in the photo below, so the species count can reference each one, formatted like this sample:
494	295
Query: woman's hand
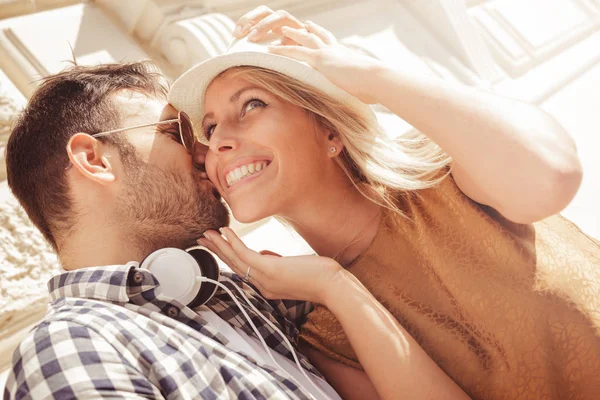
295	278
314	45
344	67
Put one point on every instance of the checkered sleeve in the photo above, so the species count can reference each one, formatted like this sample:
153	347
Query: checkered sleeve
294	311
65	360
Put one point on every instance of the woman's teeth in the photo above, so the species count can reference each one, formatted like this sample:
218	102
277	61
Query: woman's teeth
244	171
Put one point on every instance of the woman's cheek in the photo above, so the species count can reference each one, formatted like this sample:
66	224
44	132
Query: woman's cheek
211	169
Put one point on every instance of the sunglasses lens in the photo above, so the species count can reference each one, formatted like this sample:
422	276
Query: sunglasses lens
187	132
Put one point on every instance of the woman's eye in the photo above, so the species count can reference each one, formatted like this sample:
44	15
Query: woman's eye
208	130
253	103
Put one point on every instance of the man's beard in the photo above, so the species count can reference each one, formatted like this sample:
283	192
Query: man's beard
166	208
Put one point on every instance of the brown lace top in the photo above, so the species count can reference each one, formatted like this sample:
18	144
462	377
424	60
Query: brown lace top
508	311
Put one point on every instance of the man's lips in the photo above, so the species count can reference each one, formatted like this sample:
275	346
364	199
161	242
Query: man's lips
201	170
207	185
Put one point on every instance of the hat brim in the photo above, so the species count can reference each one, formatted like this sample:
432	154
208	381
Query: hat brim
188	92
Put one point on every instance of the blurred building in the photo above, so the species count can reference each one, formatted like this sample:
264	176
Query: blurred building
543	51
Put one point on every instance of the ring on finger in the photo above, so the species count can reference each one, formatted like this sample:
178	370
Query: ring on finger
247	276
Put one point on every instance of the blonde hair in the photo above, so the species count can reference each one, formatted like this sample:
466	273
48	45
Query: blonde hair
379	166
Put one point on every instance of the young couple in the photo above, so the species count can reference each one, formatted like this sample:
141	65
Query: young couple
443	270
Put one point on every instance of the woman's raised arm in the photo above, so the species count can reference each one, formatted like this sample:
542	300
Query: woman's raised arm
507	154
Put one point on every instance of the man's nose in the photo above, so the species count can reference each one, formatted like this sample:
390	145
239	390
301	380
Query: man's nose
199	153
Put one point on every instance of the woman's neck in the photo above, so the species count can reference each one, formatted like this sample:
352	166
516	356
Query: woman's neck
340	225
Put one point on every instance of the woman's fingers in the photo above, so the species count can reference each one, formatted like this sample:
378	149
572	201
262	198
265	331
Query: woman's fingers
326	36
248	256
235	253
225	252
274	22
288	42
263	266
299	53
251	18
303	37
269	253
217	251
214	249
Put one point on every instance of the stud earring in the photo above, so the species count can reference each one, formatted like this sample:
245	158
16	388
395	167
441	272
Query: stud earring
332	149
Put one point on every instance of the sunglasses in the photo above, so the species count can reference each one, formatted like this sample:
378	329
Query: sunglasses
186	132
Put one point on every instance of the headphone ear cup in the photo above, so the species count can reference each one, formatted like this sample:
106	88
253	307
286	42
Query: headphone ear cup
209	269
179	274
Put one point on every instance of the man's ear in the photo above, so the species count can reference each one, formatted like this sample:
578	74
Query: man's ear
334	142
89	158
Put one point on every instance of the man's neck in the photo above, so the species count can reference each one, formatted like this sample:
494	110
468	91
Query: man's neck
97	248
340	225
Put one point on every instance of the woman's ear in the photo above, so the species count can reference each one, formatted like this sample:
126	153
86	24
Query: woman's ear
89	158
334	144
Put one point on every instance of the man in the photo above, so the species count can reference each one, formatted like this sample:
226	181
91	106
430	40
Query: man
105	202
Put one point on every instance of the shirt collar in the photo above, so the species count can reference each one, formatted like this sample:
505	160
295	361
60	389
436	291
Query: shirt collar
108	283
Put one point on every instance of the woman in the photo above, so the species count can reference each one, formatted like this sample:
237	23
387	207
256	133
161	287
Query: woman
458	242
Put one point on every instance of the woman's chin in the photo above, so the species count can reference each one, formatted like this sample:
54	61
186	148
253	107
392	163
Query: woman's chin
248	216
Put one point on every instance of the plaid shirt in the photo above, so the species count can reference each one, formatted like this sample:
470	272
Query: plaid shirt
109	333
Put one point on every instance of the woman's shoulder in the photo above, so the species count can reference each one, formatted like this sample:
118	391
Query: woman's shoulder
443	196
428	211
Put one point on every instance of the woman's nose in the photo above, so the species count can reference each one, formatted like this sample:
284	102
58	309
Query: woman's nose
221	143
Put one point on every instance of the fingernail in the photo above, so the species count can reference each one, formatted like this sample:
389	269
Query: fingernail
222	231
237	31
206	236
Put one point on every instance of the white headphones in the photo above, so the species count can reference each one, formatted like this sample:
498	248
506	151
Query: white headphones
181	272
191	277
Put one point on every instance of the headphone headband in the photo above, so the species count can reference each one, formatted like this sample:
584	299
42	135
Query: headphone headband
179	273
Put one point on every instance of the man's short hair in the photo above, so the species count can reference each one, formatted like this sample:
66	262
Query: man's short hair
75	100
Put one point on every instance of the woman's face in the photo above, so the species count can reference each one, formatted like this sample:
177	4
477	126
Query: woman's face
265	156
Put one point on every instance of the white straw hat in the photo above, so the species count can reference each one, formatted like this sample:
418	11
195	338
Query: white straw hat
188	91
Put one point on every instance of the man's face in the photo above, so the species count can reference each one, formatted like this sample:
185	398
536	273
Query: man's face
163	198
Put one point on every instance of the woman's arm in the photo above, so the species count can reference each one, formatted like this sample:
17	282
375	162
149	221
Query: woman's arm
392	359
507	154
349	382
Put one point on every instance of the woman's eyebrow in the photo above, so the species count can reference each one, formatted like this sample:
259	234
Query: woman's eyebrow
237	94
233	99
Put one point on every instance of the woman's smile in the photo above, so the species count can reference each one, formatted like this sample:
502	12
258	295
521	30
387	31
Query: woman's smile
242	171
